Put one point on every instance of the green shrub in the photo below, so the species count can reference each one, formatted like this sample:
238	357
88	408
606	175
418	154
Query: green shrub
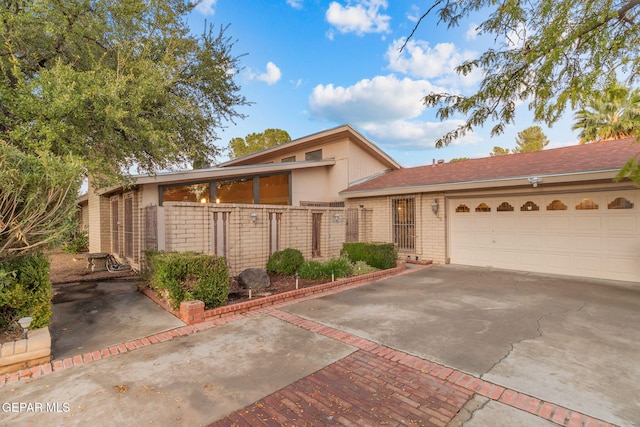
379	255
25	290
287	261
361	267
78	243
312	270
340	267
181	276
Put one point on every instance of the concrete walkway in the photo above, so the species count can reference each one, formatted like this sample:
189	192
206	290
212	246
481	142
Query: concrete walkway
441	346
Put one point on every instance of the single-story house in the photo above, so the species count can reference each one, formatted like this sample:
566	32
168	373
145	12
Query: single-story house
552	211
243	209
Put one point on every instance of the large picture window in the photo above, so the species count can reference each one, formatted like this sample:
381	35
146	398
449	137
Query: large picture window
235	191
266	189
187	193
404	223
274	190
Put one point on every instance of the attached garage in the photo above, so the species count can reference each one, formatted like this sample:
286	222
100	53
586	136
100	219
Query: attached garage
590	234
559	211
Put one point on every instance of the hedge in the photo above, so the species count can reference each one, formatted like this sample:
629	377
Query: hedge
25	290
287	261
182	276
379	255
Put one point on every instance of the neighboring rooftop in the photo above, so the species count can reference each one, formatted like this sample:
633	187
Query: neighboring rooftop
605	156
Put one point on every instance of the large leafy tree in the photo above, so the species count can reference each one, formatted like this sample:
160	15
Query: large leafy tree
611	114
257	141
549	53
531	139
115	83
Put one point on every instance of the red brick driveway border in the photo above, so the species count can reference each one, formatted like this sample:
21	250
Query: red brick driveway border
366	372
369	368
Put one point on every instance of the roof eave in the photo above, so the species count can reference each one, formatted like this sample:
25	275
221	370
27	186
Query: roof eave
562	178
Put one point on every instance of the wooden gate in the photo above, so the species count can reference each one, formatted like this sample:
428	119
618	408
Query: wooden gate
352	225
151	227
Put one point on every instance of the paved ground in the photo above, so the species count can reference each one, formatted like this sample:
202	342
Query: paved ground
442	346
90	316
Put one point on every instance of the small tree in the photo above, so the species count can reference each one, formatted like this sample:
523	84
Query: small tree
531	139
37	199
499	151
257	141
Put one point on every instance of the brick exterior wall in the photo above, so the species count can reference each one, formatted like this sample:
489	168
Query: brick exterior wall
376	224
189	227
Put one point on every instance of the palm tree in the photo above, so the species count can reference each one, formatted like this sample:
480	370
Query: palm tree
614	114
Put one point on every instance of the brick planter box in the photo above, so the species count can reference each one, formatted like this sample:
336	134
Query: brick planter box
192	312
21	354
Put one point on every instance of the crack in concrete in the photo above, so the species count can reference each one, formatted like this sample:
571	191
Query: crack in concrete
467	412
538	335
513	344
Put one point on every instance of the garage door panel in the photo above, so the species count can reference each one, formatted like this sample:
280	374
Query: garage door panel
530	241
557	223
529	222
588	224
556	263
622	224
558	242
588	244
530	259
621	245
626	268
506	240
591	264
601	243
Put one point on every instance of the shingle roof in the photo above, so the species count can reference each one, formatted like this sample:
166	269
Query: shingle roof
599	156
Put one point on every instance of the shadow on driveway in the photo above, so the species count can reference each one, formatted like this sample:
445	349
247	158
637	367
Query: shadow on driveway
90	316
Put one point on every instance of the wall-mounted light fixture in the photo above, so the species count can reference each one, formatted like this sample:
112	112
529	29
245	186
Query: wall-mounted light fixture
24	323
336	218
254	217
435	205
535	180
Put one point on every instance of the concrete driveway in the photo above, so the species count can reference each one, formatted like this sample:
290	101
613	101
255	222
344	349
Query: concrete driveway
497	348
569	341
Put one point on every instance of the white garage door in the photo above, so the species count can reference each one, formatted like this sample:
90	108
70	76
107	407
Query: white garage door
595	234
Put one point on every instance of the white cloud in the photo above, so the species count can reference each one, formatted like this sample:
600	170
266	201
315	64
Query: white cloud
415	135
388	109
361	17
381	98
206	7
420	59
296	4
472	32
272	74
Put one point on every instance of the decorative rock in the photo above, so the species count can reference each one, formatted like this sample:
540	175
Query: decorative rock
254	279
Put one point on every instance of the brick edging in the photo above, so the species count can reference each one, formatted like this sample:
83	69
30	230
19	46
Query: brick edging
547	410
192	315
210	322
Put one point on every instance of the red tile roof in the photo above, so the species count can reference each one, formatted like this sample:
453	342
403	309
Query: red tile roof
599	156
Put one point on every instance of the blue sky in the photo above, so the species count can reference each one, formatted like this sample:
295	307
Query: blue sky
312	65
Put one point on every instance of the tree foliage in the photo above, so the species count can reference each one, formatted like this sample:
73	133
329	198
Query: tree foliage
257	141
499	151
116	83
37	199
531	139
549	53
611	114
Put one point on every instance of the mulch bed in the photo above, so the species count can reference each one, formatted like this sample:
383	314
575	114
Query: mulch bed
279	284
